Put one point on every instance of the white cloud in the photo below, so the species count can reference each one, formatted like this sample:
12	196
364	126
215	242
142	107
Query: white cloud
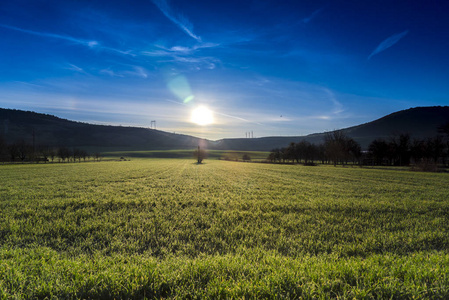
91	44
75	68
129	71
387	43
110	73
179	20
52	35
138	71
338	107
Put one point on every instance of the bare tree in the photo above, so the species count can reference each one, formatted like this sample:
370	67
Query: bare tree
290	152
272	156
44	152
24	150
400	147
84	155
284	154
335	146
199	154
379	150
354	149
436	148
97	156
341	148
77	154
418	150
321	153
64	153
275	155
52	154
13	151
3	149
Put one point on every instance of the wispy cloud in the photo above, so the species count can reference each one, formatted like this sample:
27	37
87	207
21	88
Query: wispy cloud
177	19
184	55
75	68
88	43
177	50
387	43
338	107
28	84
239	118
127	52
136	71
312	16
110	73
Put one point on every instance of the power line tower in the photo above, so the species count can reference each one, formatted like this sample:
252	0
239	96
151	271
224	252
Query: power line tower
153	124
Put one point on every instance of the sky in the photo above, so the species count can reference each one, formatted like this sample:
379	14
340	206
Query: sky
270	67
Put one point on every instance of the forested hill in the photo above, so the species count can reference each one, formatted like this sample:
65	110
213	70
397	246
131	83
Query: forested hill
15	125
419	122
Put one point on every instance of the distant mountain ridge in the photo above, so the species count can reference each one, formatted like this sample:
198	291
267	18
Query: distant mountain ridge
49	130
43	129
419	122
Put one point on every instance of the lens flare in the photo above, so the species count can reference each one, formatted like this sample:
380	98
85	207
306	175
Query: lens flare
189	98
202	116
180	87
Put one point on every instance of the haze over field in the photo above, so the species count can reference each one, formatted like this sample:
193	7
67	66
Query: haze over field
268	67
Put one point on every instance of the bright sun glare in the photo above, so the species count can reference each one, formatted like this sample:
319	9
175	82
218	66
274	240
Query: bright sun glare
202	116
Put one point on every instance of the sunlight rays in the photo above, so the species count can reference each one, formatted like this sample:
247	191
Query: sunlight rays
202	116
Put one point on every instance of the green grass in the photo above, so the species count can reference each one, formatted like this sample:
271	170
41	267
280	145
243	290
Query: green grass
211	154
169	228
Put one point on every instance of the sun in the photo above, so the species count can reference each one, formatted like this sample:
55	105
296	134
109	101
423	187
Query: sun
202	116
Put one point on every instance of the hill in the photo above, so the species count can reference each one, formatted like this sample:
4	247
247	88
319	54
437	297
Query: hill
419	122
42	129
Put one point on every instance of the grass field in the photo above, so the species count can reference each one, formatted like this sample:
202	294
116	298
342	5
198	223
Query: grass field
169	228
211	154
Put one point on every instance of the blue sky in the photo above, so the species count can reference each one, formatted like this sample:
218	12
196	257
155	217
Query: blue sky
271	67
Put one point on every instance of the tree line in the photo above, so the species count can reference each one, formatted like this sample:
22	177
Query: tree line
402	151
338	148
22	151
